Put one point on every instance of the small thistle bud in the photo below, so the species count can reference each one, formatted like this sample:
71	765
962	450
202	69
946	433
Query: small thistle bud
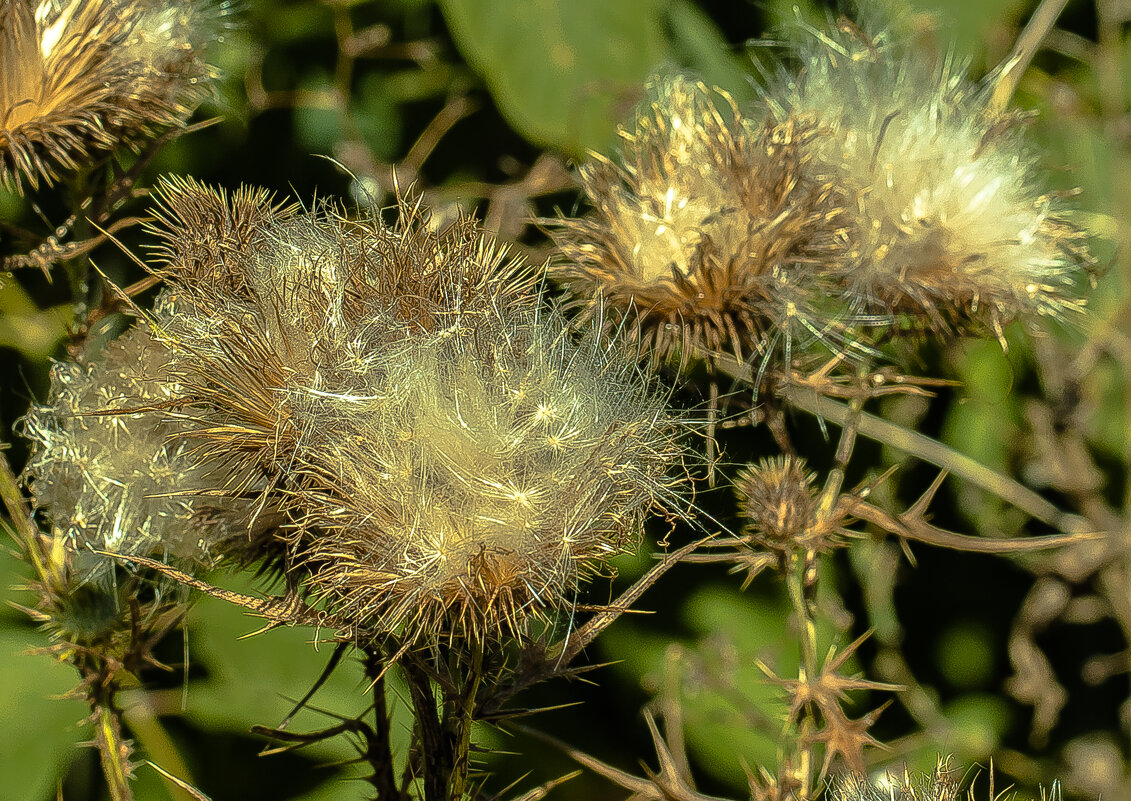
111	477
948	228
778	499
698	225
80	78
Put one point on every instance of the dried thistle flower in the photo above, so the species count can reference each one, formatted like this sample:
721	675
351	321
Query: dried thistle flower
699	226
111	476
81	78
507	465
450	461
948	228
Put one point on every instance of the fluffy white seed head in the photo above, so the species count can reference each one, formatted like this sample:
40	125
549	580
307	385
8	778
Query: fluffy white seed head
450	461
110	473
698	224
947	225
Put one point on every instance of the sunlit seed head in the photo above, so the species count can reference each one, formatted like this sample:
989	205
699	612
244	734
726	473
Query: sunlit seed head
949	228
480	522
109	473
81	78
398	387
697	224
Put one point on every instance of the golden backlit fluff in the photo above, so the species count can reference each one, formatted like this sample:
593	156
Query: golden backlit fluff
948	227
699	224
867	193
81	78
112	478
449	460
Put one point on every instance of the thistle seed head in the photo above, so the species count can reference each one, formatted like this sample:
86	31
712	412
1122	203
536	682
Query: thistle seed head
698	226
450	461
111	474
948	229
504	465
81	78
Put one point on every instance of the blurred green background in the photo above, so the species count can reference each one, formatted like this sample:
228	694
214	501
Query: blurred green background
483	104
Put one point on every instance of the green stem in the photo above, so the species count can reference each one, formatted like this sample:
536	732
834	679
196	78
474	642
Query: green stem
935	452
807	671
464	723
113	749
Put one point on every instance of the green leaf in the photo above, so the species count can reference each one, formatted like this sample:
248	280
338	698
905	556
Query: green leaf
376	117
317	125
701	46
563	73
980	721
717	718
40	729
257	680
33	331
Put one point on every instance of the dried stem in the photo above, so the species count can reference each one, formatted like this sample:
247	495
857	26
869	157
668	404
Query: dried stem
378	747
432	748
464	721
935	452
1014	65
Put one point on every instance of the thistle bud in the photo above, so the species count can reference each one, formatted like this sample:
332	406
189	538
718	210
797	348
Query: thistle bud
778	499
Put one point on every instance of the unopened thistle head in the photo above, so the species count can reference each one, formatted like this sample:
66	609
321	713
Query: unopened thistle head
778	499
948	228
450	461
80	78
698	226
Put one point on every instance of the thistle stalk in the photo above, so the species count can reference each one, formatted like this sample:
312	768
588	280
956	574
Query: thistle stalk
378	749
803	610
113	748
465	719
